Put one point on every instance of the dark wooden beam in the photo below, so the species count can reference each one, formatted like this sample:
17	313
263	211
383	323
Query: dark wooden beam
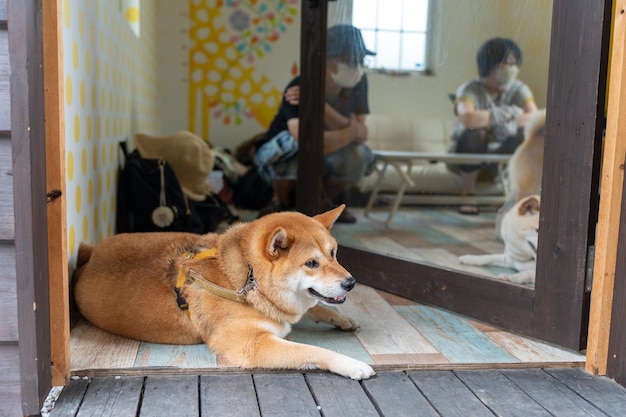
29	182
569	205
313	74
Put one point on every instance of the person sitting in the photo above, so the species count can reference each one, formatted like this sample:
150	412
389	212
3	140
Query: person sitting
492	111
346	156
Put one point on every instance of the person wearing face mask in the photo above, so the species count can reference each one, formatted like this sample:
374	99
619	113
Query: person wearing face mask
346	157
492	111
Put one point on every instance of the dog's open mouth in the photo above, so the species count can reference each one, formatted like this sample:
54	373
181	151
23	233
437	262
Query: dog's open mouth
329	300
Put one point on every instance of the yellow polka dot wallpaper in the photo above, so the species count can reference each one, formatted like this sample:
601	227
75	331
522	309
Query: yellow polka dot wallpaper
214	67
110	93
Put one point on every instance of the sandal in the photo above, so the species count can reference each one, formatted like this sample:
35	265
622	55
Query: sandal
470	209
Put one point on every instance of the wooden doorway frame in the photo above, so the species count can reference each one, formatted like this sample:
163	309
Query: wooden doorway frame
557	309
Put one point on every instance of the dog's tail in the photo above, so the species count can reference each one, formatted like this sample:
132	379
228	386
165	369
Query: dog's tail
84	254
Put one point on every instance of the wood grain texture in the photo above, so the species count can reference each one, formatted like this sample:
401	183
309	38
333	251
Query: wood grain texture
93	348
179	356
609	294
323	335
10	403
522	392
155	401
228	395
503	397
284	395
112	397
551	394
602	392
448	395
5	90
339	396
457	340
7	220
383	331
8	293
574	123
56	183
395	395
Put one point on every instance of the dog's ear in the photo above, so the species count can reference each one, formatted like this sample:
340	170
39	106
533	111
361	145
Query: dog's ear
278	241
530	205
328	218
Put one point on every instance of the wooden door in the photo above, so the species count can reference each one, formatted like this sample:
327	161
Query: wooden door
556	310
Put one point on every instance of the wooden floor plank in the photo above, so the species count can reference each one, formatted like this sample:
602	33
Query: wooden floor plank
70	399
383	331
454	337
228	395
158	392
448	395
112	397
323	335
602	392
10	401
555	397
502	396
472	393
529	350
339	397
93	348
284	395
180	356
394	395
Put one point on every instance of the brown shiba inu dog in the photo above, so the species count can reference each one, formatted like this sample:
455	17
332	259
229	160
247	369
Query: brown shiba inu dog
524	170
520	230
238	292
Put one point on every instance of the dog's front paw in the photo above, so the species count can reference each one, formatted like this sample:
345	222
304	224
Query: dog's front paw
470	260
522	277
347	324
354	369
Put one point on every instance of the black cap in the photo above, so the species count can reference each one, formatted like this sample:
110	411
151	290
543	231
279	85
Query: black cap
346	41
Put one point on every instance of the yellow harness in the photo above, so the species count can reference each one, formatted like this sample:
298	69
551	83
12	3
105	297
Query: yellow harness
193	277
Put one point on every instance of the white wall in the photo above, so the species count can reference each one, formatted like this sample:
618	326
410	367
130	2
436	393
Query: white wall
462	27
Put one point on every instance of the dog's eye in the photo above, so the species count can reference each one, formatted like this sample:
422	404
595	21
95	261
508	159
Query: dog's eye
332	253
312	264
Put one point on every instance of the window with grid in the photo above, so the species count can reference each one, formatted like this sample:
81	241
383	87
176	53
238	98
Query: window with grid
397	30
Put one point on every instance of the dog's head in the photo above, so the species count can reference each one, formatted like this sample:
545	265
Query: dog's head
520	226
296	260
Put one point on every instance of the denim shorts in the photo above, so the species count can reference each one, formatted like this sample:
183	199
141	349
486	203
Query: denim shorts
278	159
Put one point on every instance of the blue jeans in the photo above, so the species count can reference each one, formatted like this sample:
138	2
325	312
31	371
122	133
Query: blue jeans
277	159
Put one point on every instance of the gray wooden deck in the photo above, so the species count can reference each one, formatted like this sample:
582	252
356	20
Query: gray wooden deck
468	393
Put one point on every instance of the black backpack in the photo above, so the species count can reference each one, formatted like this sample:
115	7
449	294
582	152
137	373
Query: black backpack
251	192
150	199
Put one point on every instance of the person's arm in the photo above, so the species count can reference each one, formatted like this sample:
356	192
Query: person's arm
472	118
356	131
529	109
332	118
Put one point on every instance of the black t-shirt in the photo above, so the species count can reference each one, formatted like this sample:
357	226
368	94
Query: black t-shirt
349	100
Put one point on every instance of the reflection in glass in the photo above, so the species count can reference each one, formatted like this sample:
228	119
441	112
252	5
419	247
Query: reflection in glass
412	110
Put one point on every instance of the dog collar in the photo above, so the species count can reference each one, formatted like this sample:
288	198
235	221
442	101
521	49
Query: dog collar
192	276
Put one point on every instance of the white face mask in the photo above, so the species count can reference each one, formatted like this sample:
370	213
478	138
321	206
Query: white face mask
506	73
347	76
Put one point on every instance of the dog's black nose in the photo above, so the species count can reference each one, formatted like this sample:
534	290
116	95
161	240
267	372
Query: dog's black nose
348	283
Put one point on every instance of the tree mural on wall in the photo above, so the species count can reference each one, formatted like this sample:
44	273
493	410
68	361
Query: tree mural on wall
228	37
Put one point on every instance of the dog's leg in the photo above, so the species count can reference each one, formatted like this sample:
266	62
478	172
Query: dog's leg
496	259
324	314
525	276
271	352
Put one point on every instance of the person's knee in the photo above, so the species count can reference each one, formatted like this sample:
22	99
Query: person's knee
472	141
